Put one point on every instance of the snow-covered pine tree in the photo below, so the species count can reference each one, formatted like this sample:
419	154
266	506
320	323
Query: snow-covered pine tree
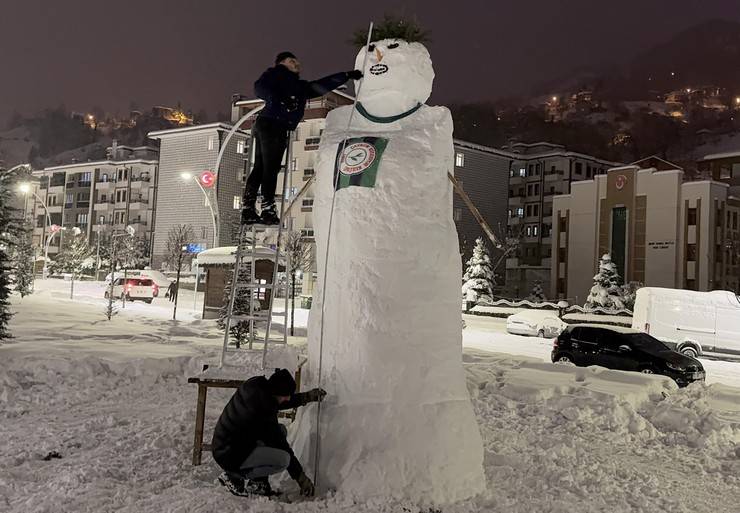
23	260
607	291
629	294
478	279
9	222
537	295
75	254
238	330
132	252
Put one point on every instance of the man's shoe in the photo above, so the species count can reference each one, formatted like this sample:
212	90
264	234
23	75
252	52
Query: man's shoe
250	216
232	483
259	486
269	216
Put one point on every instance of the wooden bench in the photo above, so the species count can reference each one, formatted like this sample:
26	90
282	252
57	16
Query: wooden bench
204	383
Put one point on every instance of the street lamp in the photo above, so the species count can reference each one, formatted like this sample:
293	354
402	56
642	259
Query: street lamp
188	176
26	188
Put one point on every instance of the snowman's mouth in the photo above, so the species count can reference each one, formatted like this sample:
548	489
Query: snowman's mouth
378	69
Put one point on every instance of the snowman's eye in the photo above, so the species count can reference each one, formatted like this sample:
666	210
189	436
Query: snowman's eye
393	45
371	48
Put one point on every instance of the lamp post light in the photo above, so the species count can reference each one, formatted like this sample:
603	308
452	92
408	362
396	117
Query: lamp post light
26	188
187	177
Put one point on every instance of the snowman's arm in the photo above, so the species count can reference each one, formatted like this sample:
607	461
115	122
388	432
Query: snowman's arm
324	85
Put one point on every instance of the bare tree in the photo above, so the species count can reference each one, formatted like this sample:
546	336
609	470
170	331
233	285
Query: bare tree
178	236
300	258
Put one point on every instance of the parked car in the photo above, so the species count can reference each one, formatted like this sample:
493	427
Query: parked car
142	289
158	277
624	349
693	322
535	323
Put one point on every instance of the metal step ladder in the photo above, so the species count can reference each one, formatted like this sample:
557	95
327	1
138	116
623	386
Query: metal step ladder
243	278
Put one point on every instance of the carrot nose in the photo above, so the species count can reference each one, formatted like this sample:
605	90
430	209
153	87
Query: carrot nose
378	54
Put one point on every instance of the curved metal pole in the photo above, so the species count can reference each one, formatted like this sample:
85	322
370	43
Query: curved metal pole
228	137
213	215
43	204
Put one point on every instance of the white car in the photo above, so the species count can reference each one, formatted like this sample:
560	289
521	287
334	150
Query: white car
142	289
539	323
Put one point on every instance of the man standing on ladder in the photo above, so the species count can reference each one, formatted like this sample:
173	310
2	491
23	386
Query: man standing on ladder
285	96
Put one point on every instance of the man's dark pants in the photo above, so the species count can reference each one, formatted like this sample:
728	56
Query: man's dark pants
270	141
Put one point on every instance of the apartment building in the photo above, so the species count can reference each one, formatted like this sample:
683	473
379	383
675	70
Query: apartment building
483	172
184	155
659	229
99	198
538	172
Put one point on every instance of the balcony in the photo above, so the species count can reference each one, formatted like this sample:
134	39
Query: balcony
83	204
516	201
516	179
138	222
515	220
139	203
554	177
102	206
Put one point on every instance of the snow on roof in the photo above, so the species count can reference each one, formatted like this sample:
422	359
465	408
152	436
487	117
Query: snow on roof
225	255
487	149
618	329
174	131
727	155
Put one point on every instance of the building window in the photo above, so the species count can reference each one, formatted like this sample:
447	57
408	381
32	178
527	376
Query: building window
579	168
734	220
529	210
534	230
529	231
725	172
529	190
121	196
520	212
536	189
308	172
457	214
530	170
240	147
85	178
522	172
563	225
535	210
211	143
69	199
691	252
101	220
307	202
237	202
562	255
537	169
82	219
691	216
459	159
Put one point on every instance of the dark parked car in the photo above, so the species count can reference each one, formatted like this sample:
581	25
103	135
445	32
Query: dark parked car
624	349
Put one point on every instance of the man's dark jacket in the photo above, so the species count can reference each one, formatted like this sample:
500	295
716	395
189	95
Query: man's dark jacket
285	94
251	415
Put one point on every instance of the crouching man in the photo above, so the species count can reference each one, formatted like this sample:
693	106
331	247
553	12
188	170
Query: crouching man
250	444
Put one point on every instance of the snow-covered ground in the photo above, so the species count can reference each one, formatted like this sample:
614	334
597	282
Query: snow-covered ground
112	399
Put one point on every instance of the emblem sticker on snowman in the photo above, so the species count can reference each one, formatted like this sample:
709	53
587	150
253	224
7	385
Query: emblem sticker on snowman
358	164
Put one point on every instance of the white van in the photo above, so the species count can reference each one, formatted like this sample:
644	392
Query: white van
696	323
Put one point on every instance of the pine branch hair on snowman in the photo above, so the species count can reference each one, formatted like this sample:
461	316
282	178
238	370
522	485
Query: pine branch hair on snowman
392	27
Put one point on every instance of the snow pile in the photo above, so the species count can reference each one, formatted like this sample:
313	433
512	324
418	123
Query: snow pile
398	421
243	363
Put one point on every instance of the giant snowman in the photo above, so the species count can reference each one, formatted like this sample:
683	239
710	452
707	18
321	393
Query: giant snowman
398	420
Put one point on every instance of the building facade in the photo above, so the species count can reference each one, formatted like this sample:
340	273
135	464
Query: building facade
660	231
538	172
100	198
185	154
483	173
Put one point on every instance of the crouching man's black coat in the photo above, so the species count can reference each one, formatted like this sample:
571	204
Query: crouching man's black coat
251	415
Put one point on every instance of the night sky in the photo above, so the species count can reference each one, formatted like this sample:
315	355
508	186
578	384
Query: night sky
85	53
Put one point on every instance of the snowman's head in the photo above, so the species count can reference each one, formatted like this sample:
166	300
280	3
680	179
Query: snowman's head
398	75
